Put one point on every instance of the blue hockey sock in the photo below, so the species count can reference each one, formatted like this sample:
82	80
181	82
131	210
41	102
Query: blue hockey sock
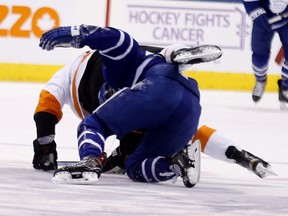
152	170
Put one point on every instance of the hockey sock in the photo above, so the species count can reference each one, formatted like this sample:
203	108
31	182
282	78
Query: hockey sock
151	170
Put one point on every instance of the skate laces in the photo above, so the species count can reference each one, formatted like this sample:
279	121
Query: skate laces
91	161
86	161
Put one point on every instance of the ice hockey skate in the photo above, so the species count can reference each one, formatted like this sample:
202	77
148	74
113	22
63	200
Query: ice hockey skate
258	90
282	96
198	54
186	164
86	171
249	161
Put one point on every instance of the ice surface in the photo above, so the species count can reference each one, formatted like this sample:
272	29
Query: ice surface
224	189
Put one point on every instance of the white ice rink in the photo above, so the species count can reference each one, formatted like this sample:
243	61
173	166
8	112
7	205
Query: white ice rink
224	189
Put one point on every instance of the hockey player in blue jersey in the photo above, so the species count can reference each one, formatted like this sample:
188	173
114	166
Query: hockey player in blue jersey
81	90
263	14
152	95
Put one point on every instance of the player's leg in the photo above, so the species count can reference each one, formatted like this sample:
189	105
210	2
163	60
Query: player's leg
217	146
147	168
261	44
142	166
283	83
165	144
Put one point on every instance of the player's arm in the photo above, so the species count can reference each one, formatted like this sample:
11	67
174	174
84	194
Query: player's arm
95	37
47	114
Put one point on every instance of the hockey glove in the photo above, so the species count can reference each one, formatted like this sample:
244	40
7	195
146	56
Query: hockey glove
70	36
260	19
45	156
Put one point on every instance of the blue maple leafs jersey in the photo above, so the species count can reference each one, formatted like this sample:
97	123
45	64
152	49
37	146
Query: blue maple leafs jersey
272	8
118	49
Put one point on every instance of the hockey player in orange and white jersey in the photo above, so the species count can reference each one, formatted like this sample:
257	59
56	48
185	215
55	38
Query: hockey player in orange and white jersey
80	84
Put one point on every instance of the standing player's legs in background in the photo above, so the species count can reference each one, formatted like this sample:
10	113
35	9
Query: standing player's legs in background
283	83
261	44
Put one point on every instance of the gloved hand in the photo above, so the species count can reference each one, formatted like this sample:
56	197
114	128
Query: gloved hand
45	156
69	36
260	20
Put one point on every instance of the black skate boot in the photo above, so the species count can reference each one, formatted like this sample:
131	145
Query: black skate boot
186	164
249	161
195	55
282	96
86	171
115	163
258	90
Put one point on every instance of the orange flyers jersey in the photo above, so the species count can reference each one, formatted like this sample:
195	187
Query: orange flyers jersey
62	89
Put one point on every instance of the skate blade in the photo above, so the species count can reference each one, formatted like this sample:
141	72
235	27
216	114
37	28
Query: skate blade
194	173
88	178
264	171
186	57
196	148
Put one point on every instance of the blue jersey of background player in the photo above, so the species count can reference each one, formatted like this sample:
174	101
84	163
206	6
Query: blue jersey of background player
262	12
153	96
